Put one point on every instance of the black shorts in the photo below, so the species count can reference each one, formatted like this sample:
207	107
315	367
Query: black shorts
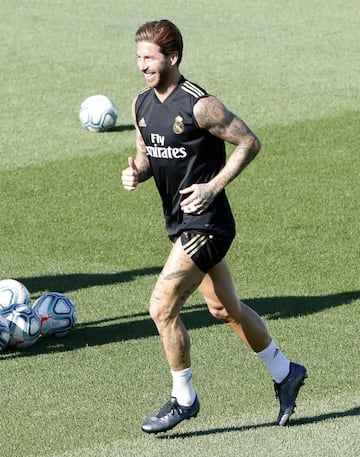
206	250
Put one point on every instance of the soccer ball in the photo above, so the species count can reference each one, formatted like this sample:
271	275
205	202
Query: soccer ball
12	291
6	310
4	333
24	326
57	314
98	113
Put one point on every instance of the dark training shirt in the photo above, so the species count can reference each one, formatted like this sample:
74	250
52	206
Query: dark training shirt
182	154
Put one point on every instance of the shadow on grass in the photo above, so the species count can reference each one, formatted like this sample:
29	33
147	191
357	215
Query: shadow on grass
292	306
294	422
139	325
121	128
271	307
111	330
69	282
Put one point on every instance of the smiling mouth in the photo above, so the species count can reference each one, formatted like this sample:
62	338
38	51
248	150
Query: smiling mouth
149	76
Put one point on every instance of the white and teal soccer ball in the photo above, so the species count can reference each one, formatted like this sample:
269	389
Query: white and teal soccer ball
6	310
13	291
4	333
98	113
57	313
24	326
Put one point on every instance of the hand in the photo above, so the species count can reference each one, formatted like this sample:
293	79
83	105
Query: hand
129	176
200	198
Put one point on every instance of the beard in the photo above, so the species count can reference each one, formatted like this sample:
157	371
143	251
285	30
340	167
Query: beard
160	79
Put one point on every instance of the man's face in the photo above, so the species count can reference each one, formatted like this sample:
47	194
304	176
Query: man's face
155	66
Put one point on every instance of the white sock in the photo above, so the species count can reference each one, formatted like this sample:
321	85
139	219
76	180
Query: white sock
183	389
275	361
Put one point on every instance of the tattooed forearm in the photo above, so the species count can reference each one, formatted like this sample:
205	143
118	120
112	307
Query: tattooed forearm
237	162
213	116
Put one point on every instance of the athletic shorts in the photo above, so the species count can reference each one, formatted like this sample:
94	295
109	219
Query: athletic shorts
206	250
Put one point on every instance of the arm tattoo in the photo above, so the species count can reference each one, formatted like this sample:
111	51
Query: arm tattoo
213	116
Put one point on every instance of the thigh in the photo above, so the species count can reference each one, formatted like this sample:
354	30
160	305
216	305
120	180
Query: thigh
179	278
218	289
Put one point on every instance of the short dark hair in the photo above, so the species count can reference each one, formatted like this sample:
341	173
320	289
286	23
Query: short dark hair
163	33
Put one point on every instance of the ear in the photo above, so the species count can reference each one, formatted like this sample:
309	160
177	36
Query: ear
174	57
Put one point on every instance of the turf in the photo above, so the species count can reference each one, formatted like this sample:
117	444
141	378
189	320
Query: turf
291	71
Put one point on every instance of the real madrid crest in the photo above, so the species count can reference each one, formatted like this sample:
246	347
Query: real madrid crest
178	125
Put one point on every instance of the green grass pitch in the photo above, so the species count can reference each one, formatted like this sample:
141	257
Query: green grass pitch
291	70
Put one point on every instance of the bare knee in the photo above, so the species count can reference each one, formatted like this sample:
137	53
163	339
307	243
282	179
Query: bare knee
158	312
164	315
219	312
